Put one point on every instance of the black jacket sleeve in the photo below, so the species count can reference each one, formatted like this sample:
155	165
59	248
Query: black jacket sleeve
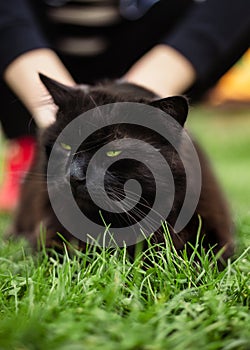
211	30
19	31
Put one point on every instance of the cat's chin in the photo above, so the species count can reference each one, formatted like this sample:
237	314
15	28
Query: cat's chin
83	201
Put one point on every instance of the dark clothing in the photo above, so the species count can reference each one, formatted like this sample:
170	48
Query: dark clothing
211	34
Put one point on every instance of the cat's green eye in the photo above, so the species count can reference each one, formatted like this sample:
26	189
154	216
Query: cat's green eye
113	153
65	146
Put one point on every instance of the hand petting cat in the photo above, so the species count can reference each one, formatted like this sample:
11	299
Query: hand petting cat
162	70
28	86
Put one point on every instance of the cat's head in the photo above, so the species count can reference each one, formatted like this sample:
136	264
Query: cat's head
124	141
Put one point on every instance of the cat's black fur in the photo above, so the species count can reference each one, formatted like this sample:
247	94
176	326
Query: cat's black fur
35	208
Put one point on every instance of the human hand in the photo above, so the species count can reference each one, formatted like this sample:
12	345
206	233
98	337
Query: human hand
22	77
163	70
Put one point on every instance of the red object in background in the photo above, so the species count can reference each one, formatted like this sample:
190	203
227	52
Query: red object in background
18	159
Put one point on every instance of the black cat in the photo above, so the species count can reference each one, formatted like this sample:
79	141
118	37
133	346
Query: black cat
35	208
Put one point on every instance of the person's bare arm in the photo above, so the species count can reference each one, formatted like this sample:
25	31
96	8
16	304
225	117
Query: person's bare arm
162	70
21	76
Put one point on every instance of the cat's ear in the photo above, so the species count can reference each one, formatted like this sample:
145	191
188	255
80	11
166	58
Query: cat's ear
58	91
175	106
63	95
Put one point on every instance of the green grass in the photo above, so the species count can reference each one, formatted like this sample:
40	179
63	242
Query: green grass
103	301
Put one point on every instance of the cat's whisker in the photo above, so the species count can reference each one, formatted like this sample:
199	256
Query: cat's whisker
135	211
146	206
97	107
45	177
138	212
21	173
128	216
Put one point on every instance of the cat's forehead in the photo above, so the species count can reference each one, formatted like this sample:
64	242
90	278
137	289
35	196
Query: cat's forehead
104	123
122	131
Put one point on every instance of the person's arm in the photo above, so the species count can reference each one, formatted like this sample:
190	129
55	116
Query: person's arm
210	31
162	70
24	53
22	77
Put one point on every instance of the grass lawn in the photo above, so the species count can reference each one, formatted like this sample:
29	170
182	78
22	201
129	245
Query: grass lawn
103	301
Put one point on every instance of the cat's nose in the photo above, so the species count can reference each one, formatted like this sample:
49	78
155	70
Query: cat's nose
77	175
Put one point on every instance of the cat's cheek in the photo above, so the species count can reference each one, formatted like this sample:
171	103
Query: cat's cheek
66	175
